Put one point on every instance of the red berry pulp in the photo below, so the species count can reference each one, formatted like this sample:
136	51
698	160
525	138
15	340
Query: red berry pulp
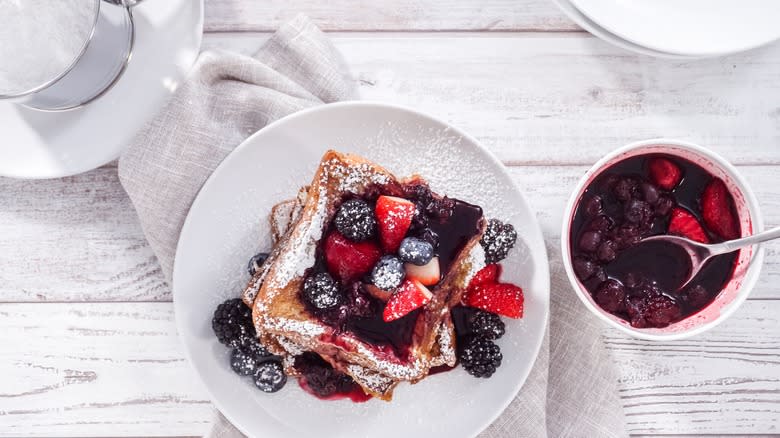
643	196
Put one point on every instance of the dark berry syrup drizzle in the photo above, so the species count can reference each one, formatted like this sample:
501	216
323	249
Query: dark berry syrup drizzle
445	222
637	281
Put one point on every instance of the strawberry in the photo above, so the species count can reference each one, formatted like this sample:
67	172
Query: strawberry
501	298
348	260
427	274
665	173
717	210
411	295
394	217
488	274
684	224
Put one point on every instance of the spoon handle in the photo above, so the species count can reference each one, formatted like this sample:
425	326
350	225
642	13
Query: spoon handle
763	236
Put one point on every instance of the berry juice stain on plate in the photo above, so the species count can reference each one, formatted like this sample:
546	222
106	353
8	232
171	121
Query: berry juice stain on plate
642	196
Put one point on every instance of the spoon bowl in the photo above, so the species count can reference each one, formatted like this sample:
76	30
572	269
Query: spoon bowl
700	253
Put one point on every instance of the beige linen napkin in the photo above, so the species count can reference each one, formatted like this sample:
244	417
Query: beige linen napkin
572	390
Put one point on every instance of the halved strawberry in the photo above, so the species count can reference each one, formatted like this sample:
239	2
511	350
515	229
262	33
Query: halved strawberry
717	210
665	173
427	274
684	224
411	295
394	217
488	274
348	260
501	298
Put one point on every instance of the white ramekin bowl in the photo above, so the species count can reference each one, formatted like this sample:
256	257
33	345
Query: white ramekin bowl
748	262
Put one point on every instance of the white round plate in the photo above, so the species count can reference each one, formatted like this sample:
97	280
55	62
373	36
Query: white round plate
692	27
228	224
586	23
38	144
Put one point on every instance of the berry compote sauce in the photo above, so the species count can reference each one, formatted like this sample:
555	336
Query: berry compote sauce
642	196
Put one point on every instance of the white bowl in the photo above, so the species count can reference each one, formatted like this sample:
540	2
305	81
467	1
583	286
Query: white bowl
749	260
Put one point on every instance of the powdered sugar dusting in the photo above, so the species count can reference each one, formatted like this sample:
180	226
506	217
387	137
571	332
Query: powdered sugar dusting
475	262
451	170
370	380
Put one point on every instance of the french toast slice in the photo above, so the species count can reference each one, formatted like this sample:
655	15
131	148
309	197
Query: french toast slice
284	323
377	385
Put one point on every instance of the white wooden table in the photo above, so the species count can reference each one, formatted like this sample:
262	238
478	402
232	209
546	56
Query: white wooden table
88	345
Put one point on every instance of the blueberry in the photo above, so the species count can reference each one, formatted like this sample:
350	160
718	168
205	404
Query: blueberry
607	251
584	268
649	193
590	240
611	296
601	223
415	251
322	291
269	376
355	220
242	363
388	273
624	189
256	262
593	205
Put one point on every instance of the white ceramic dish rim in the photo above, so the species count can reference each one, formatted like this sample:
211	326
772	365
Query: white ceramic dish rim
544	267
586	23
751	276
651	45
58	167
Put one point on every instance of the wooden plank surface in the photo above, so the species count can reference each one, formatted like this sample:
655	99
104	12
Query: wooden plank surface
556	100
109	260
118	368
566	99
389	15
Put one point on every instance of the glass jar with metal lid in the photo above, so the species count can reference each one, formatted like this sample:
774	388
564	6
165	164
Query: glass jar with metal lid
60	55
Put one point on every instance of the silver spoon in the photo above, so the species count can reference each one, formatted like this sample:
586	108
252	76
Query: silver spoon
701	252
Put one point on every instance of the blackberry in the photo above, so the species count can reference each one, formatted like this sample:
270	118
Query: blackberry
429	236
498	239
355	220
322	291
232	321
250	345
611	296
487	325
242	363
480	357
442	209
256	262
320	376
388	273
269	376
415	251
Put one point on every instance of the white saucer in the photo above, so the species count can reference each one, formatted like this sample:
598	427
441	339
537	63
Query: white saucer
586	23
36	144
699	28
228	223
